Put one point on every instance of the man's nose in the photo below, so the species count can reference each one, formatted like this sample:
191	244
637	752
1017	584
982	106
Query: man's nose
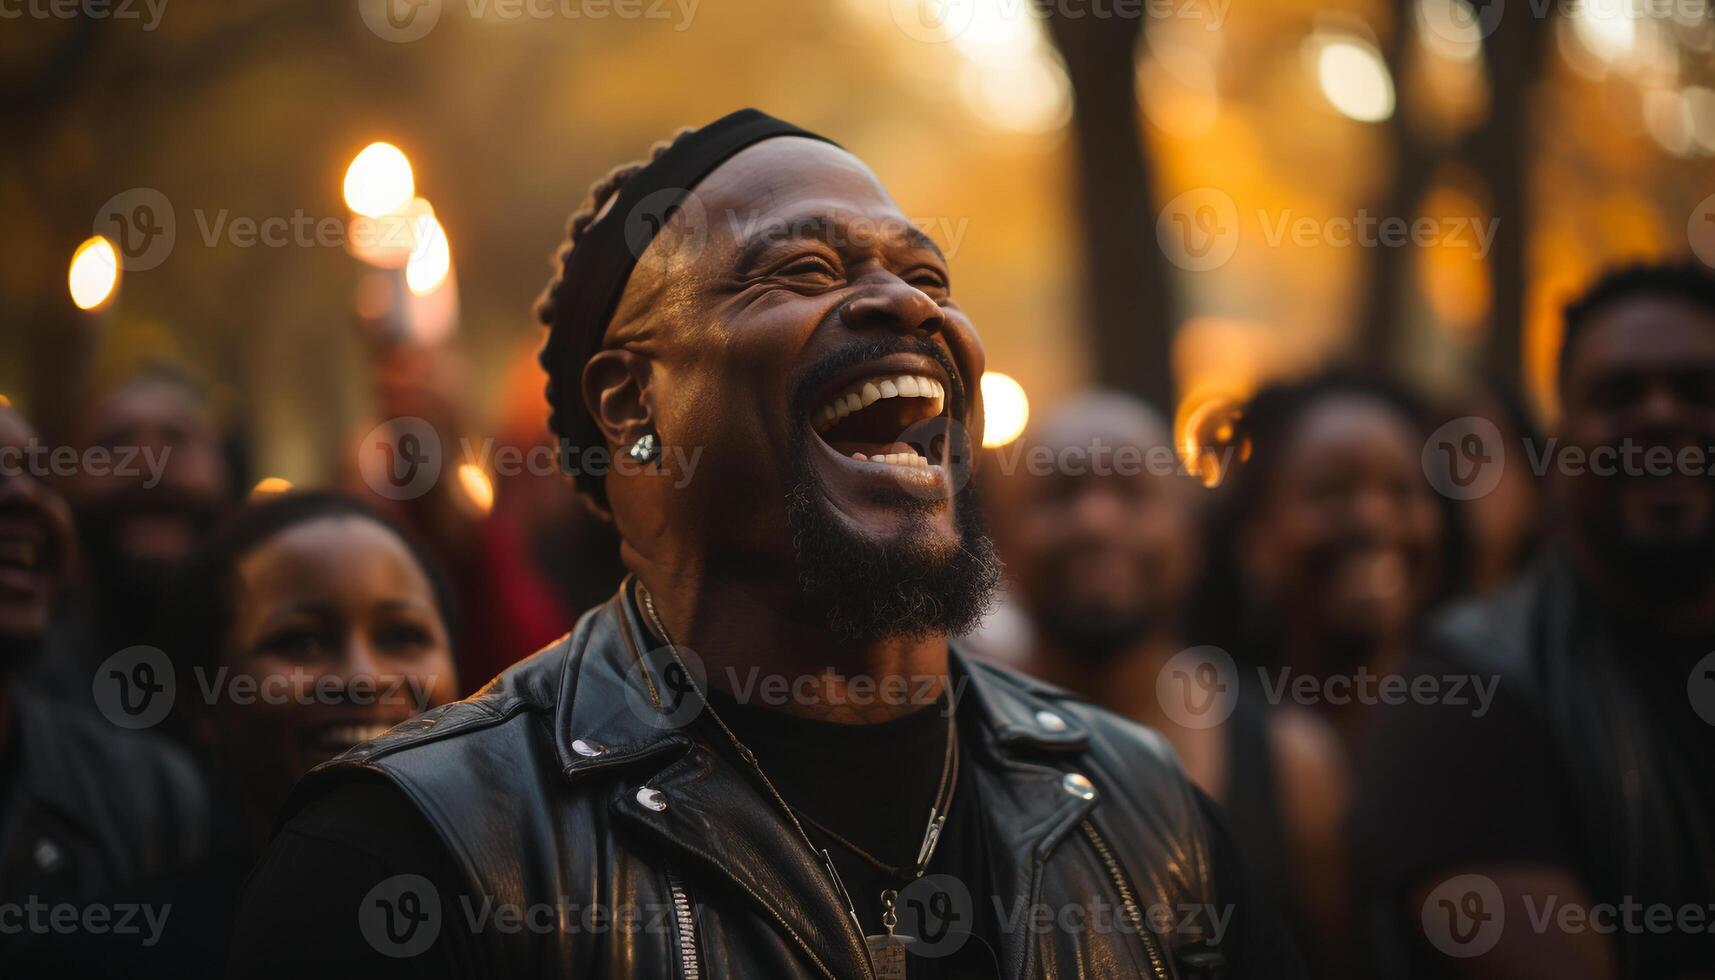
894	304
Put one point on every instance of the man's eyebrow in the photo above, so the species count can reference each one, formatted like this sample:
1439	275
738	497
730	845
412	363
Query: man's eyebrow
821	228
920	239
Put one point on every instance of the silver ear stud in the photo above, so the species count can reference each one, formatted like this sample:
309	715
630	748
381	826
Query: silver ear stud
645	450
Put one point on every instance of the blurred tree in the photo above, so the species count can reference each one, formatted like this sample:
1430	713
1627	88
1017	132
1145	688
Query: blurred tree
1499	149
1127	283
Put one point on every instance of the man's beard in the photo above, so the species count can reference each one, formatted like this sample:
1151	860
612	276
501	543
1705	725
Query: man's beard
134	591
1674	569
902	588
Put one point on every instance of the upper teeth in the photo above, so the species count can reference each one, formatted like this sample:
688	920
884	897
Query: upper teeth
871	390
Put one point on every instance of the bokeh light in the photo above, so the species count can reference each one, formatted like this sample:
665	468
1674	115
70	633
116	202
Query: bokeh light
379	181
94	273
431	257
1354	79
1006	409
478	488
270	485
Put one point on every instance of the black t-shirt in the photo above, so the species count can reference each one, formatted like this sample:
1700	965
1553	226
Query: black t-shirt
874	785
298	915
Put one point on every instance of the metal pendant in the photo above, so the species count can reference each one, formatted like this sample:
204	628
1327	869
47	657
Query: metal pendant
888	954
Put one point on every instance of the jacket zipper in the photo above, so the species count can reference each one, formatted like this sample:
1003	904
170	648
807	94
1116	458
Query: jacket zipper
1129	899
689	969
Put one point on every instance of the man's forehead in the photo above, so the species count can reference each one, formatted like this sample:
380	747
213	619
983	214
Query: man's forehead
794	182
1648	333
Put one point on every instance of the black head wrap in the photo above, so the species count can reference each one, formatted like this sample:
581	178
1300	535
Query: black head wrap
597	269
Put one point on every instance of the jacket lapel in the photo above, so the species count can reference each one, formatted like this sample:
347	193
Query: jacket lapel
689	793
683	787
1027	749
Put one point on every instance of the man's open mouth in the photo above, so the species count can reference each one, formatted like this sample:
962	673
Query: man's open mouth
878	418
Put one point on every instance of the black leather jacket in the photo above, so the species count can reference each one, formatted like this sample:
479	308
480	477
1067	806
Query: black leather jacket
92	807
537	786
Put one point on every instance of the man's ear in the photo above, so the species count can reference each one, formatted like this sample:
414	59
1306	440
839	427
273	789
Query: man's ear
616	394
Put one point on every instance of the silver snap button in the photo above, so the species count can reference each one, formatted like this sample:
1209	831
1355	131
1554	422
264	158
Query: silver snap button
652	798
1050	721
588	750
48	856
1078	785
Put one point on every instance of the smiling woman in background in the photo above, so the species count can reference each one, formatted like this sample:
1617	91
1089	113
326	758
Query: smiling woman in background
337	621
1326	547
310	623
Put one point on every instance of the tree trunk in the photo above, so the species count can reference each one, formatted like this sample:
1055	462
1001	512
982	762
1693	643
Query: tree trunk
1127	285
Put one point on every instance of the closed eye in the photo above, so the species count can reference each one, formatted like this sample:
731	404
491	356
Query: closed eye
927	278
808	265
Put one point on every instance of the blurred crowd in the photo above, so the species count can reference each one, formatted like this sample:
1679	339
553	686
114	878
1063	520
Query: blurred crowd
1435	656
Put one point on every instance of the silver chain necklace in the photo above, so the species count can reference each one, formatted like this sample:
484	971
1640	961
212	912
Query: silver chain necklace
886	951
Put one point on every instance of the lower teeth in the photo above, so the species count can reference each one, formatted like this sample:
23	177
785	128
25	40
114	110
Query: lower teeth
892	459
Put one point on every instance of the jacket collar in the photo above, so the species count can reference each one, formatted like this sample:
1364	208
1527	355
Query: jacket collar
620	707
634	700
